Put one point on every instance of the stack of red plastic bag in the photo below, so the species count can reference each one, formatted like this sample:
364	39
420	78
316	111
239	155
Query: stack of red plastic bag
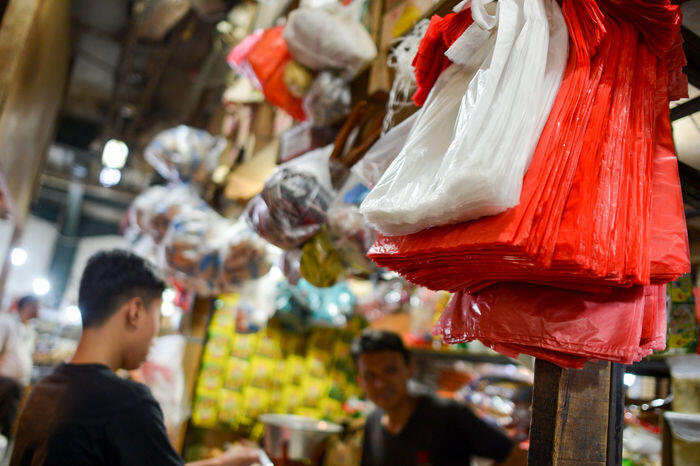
262	58
600	209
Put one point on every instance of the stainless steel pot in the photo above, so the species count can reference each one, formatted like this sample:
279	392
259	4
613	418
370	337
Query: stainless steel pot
296	438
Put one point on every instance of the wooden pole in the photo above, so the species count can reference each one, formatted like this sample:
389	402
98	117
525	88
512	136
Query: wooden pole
577	415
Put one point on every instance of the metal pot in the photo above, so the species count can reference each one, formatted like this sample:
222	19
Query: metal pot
296	438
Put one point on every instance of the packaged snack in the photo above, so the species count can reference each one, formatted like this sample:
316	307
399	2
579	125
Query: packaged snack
244	345
320	263
327	101
262	372
211	376
230	407
237	374
205	410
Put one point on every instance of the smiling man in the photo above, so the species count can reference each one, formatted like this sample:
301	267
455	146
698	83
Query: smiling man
415	430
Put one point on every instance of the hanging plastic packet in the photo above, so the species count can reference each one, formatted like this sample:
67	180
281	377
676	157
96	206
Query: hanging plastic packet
290	265
351	237
517	69
154	209
321	264
330	39
244	257
327	101
293	204
185	154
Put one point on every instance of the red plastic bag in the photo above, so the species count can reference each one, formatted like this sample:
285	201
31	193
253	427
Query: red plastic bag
561	326
430	60
268	58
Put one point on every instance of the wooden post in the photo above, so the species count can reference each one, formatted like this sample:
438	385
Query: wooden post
577	415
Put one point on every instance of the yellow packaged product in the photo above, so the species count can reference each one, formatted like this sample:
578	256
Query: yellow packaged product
205	413
262	372
237	374
295	369
217	348
318	362
292	399
256	401
230	407
270	346
244	345
331	409
211	377
309	412
315	389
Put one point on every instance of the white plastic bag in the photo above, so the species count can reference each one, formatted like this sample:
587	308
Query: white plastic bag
466	163
330	39
372	166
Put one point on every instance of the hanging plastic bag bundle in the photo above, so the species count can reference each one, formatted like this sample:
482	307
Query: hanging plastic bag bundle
244	256
292	206
473	164
330	38
154	209
185	154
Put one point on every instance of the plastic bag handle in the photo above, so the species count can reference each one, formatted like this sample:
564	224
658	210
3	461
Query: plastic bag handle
481	17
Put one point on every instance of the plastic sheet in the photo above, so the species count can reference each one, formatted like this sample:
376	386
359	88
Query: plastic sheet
328	100
185	154
330	39
466	159
292	206
585	219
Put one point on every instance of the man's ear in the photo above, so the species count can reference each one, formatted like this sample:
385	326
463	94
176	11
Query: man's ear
134	311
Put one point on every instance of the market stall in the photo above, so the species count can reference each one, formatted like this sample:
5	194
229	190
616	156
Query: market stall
496	182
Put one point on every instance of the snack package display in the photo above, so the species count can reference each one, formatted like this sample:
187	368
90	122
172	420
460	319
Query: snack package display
682	320
185	154
327	101
463	159
293	204
330	39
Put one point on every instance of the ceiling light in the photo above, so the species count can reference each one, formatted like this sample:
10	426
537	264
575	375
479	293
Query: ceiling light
41	286
18	256
114	154
110	176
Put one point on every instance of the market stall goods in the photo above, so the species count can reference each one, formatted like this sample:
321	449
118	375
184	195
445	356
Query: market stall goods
183	154
292	206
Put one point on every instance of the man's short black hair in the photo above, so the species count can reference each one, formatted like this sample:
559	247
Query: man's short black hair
110	279
378	340
27	301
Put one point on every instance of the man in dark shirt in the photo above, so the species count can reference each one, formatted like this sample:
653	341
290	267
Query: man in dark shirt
83	413
415	430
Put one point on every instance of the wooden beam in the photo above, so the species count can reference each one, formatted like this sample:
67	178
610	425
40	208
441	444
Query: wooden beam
571	410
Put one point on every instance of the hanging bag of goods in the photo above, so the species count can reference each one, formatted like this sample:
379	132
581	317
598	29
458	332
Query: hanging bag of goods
331	38
468	152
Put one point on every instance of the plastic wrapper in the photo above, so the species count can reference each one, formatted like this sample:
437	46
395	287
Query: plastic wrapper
292	206
320	263
291	265
466	159
244	256
303	306
388	297
185	154
330	39
327	101
297	79
268	58
303	138
578	225
238	57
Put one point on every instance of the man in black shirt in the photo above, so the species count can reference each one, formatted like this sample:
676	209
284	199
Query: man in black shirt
412	430
83	413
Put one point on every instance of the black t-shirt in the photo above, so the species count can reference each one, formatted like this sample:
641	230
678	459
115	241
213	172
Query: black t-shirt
84	414
439	433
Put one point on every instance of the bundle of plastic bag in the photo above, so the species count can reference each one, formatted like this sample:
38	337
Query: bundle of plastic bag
585	218
466	158
292	206
185	154
327	101
330	38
